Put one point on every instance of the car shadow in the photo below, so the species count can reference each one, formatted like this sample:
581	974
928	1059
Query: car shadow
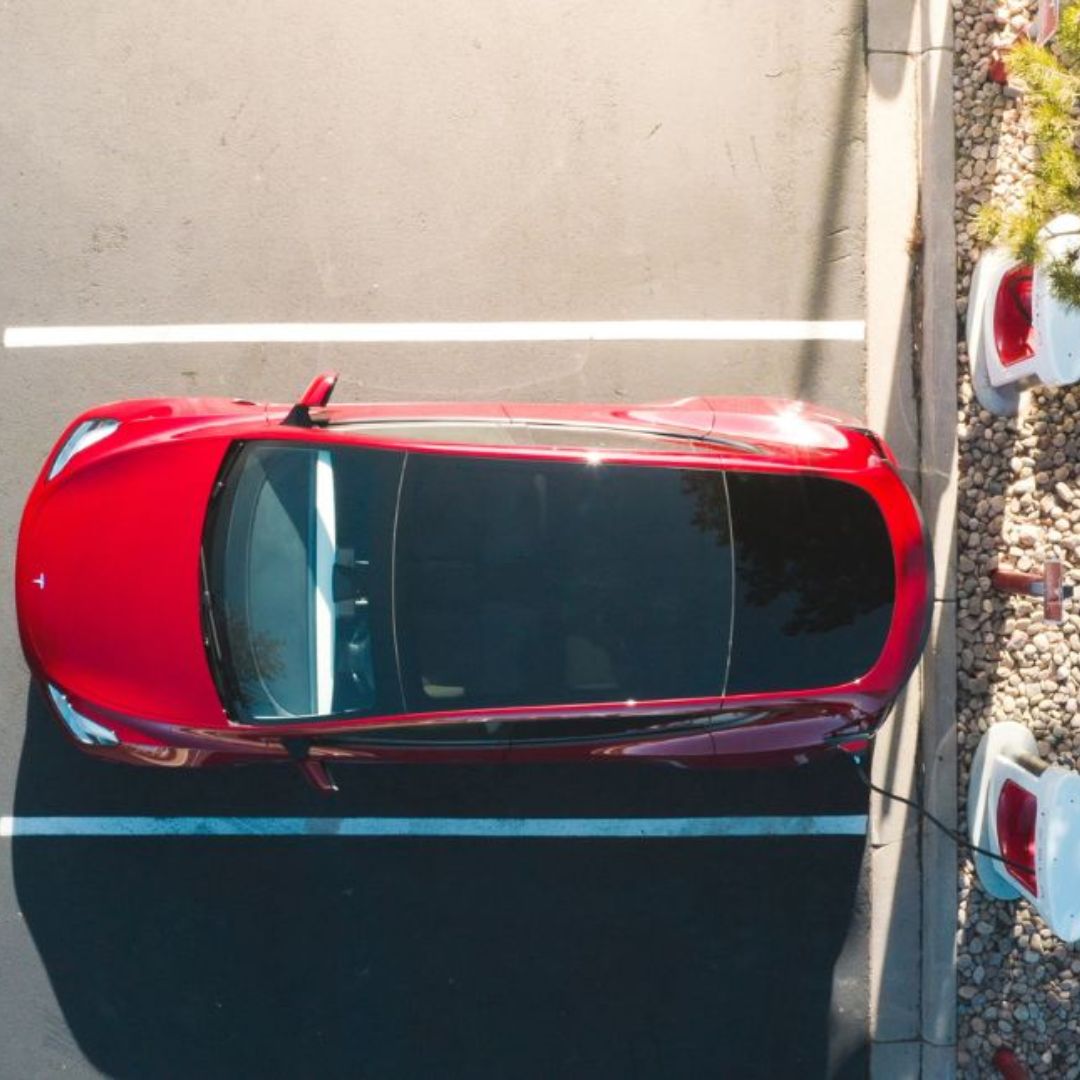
416	957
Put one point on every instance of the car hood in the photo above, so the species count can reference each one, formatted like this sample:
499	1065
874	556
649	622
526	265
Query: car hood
107	579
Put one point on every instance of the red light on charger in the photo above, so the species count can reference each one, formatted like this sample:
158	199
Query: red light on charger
1012	316
1017	811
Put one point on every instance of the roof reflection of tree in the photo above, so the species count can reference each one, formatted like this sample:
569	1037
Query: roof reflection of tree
819	542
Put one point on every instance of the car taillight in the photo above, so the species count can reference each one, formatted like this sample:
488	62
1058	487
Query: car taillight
1012	316
1017	811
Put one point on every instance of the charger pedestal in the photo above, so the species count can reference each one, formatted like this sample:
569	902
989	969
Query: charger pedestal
1028	811
1018	333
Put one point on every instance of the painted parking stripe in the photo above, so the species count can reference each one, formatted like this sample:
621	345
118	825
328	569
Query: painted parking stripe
38	337
484	828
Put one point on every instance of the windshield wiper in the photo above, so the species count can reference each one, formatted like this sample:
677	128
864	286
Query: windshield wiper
225	683
211	637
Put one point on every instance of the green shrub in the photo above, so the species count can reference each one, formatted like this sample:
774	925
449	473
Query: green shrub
1050	79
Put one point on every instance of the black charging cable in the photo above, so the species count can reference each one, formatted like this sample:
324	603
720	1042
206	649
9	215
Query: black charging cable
957	838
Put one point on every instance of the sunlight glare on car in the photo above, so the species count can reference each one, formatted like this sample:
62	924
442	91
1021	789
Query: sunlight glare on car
795	428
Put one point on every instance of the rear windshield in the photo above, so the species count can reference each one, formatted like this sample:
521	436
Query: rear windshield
525	582
814	582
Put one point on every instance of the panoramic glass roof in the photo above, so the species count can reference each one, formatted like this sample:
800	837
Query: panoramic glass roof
348	581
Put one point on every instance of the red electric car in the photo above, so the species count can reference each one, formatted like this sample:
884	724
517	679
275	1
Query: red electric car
703	582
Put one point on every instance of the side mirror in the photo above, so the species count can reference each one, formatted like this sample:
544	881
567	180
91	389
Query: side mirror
318	776
311	769
315	396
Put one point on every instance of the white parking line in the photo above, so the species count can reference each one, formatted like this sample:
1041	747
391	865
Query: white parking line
484	828
38	337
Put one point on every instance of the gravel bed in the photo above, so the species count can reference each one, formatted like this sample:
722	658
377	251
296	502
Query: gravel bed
1019	986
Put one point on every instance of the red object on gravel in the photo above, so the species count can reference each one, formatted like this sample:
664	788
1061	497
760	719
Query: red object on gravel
1009	1065
997	71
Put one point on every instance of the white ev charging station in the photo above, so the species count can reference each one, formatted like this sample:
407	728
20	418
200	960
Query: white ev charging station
1018	333
1028	812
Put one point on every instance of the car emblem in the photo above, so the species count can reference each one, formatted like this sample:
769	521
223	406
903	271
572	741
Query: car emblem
39	581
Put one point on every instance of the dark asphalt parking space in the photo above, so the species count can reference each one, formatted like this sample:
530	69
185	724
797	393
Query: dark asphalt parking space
450	958
410	958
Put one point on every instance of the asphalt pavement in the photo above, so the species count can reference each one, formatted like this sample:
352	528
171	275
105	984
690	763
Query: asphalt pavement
425	162
409	957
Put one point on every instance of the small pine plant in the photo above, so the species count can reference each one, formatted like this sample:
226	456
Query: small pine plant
1052	85
1065	279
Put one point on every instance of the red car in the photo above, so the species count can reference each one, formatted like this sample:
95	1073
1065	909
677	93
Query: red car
709	581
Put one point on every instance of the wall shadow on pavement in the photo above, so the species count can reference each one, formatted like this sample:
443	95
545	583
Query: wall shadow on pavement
221	957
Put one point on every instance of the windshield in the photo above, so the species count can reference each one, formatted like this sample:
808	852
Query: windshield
346	581
298	565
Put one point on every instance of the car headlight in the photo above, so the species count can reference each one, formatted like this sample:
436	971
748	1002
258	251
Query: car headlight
84	436
82	727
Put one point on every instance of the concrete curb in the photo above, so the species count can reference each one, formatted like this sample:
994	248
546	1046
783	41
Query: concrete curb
940	481
911	398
